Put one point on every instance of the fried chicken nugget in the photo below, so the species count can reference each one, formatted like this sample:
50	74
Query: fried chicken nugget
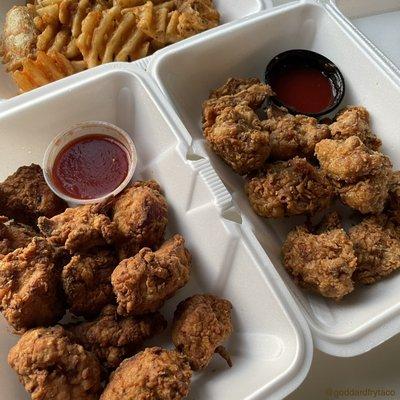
201	323
113	338
293	135
25	196
287	188
323	262
30	286
87	282
354	121
376	243
394	196
140	214
144	282
154	373
79	229
238	137
52	366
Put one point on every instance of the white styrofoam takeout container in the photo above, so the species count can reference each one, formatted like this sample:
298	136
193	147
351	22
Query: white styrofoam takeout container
271	345
230	10
371	314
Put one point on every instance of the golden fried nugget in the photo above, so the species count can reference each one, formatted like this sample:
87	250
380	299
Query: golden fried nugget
201	324
144	282
376	242
52	366
287	188
30	292
393	204
113	338
154	373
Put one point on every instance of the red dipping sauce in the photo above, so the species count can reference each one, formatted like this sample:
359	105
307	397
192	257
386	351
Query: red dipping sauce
90	167
306	90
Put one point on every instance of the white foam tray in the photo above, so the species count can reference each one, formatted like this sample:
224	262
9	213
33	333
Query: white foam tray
230	10
271	345
370	315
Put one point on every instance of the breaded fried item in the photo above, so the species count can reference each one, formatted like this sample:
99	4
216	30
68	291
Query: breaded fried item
140	214
354	121
154	373
239	139
80	228
393	204
287	188
52	366
25	196
113	338
30	286
234	86
349	160
144	282
201	324
376	242
86	281
323	262
293	135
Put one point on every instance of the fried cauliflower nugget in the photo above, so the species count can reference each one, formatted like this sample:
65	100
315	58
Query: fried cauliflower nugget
154	373
140	214
25	196
287	188
52	366
238	137
323	262
30	286
354	121
376	242
113	338
201	324
393	204
144	282
86	281
293	135
79	229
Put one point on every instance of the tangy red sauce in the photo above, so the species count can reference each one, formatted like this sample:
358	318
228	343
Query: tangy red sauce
307	90
90	167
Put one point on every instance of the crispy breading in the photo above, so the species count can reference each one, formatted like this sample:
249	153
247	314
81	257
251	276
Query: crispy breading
376	243
154	373
30	292
144	282
238	137
25	196
201	324
393	204
113	338
287	188
52	366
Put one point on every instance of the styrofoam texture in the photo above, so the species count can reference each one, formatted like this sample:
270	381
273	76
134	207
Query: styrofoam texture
370	315
230	10
271	345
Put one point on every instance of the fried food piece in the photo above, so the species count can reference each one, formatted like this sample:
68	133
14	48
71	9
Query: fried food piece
113	338
19	36
394	196
30	286
239	139
287	188
293	135
140	214
323	262
87	282
376	242
354	121
154	373
25	196
144	282
80	228
201	323
52	366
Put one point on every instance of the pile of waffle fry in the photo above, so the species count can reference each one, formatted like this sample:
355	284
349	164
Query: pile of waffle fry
61	37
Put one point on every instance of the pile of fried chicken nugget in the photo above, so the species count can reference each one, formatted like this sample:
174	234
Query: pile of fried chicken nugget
297	165
108	264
